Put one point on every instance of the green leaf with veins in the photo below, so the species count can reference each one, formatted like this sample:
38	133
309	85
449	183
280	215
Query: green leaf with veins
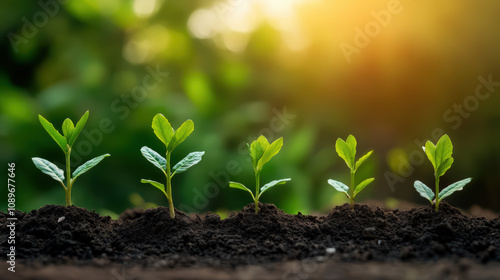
190	160
49	168
60	140
88	165
162	129
155	158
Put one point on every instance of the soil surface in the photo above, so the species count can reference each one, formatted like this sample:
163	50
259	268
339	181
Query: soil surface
363	239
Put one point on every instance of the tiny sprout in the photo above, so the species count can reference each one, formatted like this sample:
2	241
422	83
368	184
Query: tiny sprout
261	152
171	139
440	157
347	151
65	141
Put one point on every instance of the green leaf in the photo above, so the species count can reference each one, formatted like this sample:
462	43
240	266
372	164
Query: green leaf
68	128
344	152
362	185
363	159
60	140
270	152
444	167
181	134
430	151
240	186
457	186
78	128
162	129
155	158
272	184
49	168
264	143
155	184
88	165
187	162
444	149
424	191
257	150
351	142
339	186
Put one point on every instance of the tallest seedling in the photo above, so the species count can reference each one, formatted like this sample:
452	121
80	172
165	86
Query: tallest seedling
171	139
65	141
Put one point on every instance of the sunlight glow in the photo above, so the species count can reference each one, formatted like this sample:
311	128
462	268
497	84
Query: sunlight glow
203	24
144	8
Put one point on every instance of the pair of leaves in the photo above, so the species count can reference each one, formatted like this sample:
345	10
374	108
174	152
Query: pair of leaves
264	188
57	174
164	131
157	160
341	187
440	154
428	194
347	151
261	151
70	131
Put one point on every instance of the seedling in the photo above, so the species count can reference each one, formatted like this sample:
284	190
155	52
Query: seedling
261	152
440	157
65	141
171	139
347	151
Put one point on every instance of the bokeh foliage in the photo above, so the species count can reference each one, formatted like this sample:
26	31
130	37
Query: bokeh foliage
234	67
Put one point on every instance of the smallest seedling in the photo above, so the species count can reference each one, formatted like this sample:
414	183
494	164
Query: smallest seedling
440	157
261	152
347	151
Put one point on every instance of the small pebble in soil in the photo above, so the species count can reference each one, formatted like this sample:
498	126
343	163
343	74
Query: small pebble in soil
330	250
61	219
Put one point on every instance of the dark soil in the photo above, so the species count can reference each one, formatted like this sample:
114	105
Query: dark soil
153	240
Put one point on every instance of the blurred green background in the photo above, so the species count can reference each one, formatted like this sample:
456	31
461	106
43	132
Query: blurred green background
392	73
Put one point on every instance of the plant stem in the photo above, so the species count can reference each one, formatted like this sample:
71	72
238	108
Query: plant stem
257	187
169	188
352	187
68	178
437	193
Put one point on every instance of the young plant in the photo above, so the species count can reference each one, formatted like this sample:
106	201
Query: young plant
171	139
65	141
440	157
261	152
347	151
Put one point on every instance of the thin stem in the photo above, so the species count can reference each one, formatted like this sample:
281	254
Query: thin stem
437	193
68	177
169	188
257	187
352	187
